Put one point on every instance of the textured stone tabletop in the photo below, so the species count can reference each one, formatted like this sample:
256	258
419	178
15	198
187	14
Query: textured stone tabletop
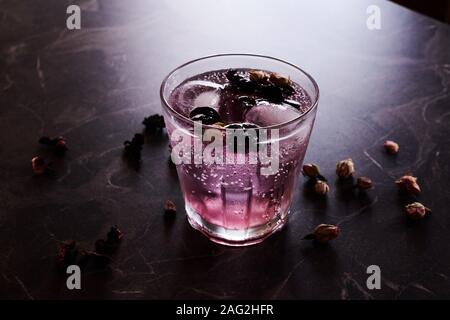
95	85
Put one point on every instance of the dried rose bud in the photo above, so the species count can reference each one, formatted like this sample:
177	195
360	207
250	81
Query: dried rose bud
60	145
280	80
169	207
218	124
364	183
345	168
258	75
391	146
323	233
321	187
114	235
408	184
310	170
416	210
38	165
111	244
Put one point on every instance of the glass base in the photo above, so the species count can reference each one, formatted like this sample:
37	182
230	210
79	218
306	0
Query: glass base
233	237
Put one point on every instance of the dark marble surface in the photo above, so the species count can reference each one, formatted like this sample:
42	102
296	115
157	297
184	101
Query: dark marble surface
95	85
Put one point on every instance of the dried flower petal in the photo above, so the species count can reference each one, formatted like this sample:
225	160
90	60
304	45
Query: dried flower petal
321	187
408	183
391	146
323	233
169	207
416	210
364	183
345	168
310	170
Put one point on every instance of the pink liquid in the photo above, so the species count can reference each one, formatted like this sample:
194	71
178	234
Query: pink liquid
237	197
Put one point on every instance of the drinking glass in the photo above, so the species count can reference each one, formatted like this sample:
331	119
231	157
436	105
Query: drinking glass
235	204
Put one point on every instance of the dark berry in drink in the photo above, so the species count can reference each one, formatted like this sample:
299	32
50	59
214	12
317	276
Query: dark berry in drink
206	115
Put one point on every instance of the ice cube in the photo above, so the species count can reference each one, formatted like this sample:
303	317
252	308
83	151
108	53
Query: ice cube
197	93
268	114
207	99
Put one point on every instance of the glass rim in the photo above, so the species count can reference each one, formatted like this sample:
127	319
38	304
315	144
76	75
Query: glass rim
283	124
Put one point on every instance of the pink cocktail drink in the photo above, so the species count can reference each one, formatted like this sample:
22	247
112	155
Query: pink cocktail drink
239	202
